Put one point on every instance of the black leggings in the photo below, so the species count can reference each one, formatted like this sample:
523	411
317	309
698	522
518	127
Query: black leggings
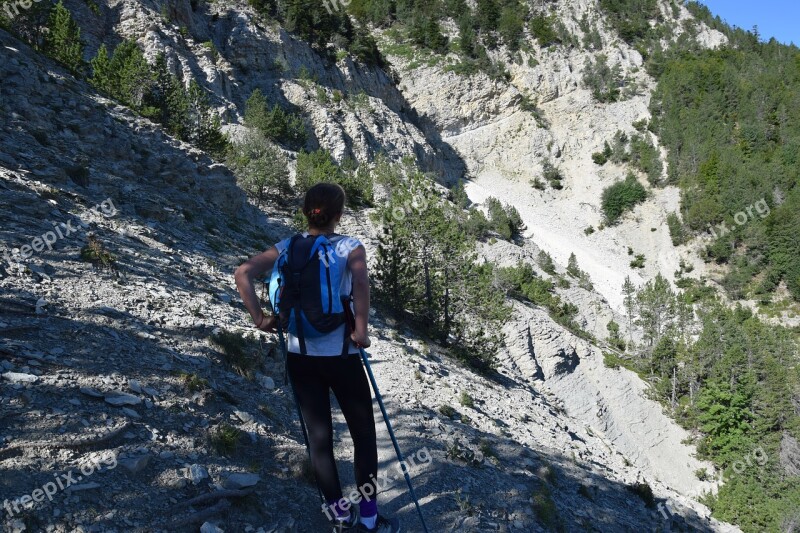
312	378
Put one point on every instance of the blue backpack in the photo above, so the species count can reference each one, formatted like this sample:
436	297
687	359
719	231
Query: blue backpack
304	290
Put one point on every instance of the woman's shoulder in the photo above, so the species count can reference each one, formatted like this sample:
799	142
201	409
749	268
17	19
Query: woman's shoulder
345	244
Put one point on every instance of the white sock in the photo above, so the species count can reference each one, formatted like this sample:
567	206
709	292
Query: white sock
344	518
369	521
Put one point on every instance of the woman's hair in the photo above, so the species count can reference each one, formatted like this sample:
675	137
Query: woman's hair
323	203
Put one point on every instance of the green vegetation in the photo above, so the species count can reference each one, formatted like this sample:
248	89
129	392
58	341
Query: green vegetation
225	439
601	158
94	252
243	355
552	175
676	229
614	338
545	262
631	18
486	26
604	81
504	219
274	123
193	382
63	41
159	95
542	28
637	261
447	411
319	166
645	492
522	283
545	508
260	168
733	379
731	123
620	197
426	270
320	27
466	400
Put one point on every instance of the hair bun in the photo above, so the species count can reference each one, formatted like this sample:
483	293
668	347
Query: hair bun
318	218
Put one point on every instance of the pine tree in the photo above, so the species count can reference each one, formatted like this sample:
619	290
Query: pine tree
131	76
629	301
205	128
169	97
101	71
656	303
572	266
63	41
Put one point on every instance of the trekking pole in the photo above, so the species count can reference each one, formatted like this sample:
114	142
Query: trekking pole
391	434
296	403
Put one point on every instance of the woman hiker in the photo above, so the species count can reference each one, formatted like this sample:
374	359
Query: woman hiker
319	362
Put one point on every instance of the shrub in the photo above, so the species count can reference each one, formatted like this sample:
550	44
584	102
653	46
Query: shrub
676	231
604	81
504	219
638	261
466	400
319	166
447	411
543	30
601	158
260	168
645	157
275	123
621	197
94	252
545	262
225	439
643	491
242	354
552	175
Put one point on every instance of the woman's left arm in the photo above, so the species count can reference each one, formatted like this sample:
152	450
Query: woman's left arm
256	267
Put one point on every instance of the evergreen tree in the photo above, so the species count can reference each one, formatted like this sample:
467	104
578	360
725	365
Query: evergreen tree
101	71
488	14
63	41
511	26
170	98
204	125
656	306
429	262
275	123
629	302
131	77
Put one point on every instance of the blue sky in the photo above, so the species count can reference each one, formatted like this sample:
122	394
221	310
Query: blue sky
774	18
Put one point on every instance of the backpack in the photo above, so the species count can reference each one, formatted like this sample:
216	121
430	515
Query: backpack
304	290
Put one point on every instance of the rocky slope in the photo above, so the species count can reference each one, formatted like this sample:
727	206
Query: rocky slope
121	361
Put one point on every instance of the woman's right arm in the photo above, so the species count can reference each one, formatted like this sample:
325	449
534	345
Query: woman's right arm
256	267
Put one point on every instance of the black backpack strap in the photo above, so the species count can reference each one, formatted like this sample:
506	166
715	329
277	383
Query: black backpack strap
298	296
349	324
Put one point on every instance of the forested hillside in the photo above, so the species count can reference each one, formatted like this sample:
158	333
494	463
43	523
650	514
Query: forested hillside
730	121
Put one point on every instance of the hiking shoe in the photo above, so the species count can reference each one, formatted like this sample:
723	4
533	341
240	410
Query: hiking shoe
350	524
382	525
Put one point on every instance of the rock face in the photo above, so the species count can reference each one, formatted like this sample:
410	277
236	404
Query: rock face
504	147
612	403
